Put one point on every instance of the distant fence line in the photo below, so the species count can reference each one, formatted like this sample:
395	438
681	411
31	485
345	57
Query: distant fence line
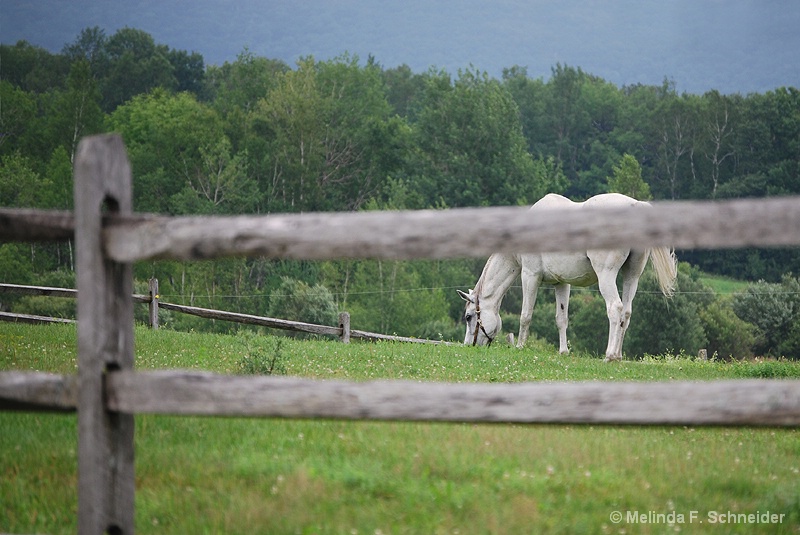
107	392
343	331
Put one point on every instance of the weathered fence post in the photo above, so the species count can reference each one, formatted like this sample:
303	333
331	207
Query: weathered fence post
105	340
344	325
153	305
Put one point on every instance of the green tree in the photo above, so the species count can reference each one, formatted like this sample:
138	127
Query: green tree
331	140
720	119
166	136
188	70
17	112
235	89
16	267
219	184
530	97
20	185
627	179
403	89
470	147
675	127
60	194
136	65
72	113
89	46
32	68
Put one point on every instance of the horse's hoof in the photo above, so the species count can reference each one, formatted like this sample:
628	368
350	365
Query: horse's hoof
612	359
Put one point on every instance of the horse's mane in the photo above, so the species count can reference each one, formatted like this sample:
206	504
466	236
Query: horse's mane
479	285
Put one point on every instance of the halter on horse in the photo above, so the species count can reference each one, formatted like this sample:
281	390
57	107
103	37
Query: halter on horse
480	324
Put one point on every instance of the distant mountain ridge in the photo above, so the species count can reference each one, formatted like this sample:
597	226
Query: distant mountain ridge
736	46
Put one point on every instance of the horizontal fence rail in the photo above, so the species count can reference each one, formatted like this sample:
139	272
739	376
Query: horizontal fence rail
742	402
36	225
47	291
463	232
37	391
31	318
466	232
752	402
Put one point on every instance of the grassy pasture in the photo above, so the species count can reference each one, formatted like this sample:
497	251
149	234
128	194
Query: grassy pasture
724	285
237	475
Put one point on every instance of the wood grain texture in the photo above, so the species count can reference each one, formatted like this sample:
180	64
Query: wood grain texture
105	339
745	402
465	232
23	224
37	391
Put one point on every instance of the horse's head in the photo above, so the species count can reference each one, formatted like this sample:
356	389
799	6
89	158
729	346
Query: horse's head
483	324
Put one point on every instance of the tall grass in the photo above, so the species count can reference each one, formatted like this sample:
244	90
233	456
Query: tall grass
236	475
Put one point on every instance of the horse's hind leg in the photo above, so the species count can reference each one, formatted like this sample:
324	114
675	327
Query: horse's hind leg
616	318
606	265
631	273
562	316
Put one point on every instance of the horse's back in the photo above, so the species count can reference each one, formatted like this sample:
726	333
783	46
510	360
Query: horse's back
554	200
576	267
610	200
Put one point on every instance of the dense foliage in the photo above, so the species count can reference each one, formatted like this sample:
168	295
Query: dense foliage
258	136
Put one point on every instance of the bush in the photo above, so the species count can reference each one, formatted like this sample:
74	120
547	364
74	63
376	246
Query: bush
728	335
297	301
259	360
54	307
774	309
442	330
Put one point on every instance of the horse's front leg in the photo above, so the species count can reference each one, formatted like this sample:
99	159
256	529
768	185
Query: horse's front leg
530	286
562	316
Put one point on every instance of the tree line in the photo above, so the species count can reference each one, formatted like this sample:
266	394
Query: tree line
256	135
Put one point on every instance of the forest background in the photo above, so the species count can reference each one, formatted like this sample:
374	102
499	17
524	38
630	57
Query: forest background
257	136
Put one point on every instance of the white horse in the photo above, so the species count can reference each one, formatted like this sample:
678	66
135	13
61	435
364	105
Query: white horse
563	270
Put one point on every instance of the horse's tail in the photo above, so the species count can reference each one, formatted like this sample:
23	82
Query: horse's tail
665	264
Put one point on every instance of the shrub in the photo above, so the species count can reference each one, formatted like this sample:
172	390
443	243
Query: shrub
297	301
259	360
728	335
774	310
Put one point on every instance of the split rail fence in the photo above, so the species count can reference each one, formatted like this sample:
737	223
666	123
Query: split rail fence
107	392
343	331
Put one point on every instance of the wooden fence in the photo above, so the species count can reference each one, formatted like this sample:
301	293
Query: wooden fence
107	392
343	331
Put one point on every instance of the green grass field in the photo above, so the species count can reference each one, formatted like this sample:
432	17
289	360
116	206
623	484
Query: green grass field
231	475
724	285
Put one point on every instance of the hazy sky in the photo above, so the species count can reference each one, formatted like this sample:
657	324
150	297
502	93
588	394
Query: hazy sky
730	45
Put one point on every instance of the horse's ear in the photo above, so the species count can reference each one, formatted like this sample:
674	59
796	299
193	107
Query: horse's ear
466	296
